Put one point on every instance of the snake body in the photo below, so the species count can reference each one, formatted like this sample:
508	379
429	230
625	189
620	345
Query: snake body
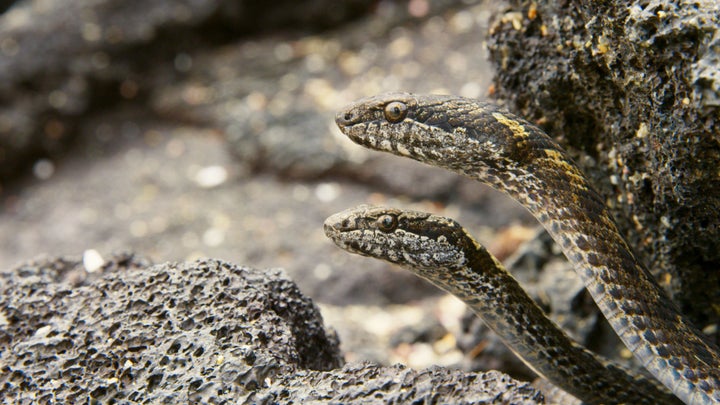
488	144
439	250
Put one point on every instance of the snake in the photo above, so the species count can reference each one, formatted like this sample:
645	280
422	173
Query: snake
493	146
441	251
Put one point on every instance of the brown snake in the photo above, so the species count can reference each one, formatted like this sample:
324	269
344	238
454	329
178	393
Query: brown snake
483	142
439	250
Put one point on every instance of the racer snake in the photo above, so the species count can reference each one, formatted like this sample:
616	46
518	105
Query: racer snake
439	250
495	147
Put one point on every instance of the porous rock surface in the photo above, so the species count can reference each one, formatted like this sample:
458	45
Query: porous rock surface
198	331
632	89
202	332
370	383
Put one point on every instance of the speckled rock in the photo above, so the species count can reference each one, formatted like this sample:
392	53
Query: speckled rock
632	90
202	332
206	331
372	384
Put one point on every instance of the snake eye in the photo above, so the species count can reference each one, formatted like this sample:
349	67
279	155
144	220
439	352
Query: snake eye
395	111
387	223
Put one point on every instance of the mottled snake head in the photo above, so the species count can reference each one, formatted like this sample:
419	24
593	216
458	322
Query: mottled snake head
440	130
409	238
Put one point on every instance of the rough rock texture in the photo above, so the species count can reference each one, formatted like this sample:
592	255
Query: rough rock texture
199	331
203	332
60	60
369	383
633	91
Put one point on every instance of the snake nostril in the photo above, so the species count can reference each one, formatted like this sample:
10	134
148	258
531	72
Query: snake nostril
345	118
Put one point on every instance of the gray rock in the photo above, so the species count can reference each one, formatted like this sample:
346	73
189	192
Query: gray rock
202	332
372	384
632	90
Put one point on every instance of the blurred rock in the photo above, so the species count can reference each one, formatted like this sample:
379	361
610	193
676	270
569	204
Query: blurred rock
275	99
62	60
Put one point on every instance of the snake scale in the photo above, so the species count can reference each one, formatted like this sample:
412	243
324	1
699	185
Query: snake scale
439	250
495	147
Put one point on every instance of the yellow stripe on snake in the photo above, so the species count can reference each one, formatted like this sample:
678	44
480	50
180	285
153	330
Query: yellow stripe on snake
481	141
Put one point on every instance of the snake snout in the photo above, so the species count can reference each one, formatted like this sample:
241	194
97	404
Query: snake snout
346	118
335	225
329	228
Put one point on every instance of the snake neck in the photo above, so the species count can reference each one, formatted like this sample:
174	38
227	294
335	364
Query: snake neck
495	296
627	294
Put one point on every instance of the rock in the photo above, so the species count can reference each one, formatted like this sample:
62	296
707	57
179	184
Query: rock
171	332
369	383
631	90
5	4
205	332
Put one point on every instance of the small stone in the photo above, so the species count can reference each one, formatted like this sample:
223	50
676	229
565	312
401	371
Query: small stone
211	176
92	260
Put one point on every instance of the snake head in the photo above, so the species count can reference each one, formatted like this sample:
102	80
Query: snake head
410	238
386	122
435	129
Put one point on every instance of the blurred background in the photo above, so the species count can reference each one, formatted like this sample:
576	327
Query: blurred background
186	129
